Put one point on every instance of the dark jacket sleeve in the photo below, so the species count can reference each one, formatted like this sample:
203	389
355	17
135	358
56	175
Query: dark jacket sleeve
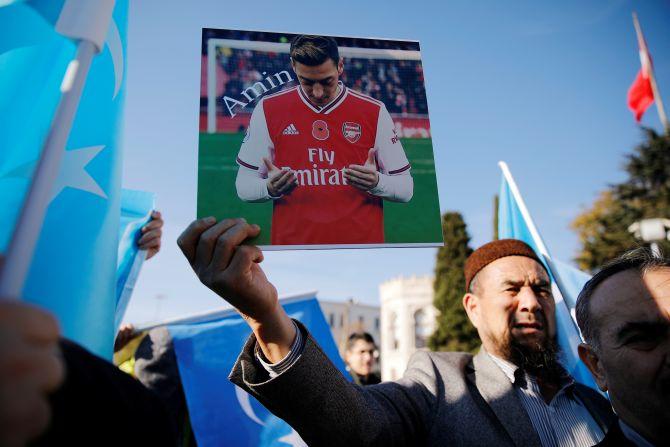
101	405
156	368
327	410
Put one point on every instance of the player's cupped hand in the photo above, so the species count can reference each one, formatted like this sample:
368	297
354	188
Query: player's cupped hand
364	177
280	181
215	251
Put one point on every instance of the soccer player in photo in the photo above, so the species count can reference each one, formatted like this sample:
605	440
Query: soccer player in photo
326	155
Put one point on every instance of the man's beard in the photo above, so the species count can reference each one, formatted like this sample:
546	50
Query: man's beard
540	360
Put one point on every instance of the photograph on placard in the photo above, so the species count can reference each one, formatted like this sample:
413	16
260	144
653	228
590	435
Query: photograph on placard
323	141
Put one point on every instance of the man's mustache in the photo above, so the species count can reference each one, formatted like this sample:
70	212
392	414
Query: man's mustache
538	322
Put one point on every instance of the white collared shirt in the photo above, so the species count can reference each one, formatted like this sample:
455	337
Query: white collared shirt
564	421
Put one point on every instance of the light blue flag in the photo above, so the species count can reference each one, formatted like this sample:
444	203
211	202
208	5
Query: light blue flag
571	282
73	273
136	208
515	222
220	412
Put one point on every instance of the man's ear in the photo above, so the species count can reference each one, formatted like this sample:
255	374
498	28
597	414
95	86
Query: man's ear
340	67
592	362
471	305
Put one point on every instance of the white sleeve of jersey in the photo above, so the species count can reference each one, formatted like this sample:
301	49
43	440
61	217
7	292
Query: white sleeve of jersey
395	181
251	181
396	188
250	187
257	143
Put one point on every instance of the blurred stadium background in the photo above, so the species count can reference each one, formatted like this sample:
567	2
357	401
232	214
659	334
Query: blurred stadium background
390	71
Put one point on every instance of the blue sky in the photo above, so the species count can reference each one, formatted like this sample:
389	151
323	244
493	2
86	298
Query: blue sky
541	85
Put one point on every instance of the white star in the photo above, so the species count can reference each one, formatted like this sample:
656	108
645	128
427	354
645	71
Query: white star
293	439
72	172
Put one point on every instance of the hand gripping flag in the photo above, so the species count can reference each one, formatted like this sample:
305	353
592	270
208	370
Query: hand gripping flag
136	208
73	272
515	222
220	412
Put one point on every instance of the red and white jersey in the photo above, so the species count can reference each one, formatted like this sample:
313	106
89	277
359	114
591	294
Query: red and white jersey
318	143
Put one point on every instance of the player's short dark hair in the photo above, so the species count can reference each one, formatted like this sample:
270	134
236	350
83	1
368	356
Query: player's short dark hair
641	259
353	338
314	50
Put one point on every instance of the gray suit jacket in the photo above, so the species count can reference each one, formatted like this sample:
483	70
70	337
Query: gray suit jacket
444	398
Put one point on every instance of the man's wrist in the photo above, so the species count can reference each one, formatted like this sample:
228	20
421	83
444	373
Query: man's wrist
275	369
275	333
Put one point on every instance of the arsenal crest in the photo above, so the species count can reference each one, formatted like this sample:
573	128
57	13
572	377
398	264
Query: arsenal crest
320	130
351	131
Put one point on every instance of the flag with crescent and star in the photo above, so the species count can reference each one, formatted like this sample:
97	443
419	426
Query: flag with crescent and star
220	412
73	273
515	222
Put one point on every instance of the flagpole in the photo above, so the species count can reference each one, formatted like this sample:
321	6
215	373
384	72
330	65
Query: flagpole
88	23
523	209
642	44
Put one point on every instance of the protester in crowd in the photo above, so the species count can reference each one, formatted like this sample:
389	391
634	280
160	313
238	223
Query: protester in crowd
150	357
54	392
31	367
98	404
360	357
513	392
624	315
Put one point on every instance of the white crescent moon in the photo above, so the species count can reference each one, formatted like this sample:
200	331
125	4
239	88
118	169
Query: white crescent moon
245	403
113	41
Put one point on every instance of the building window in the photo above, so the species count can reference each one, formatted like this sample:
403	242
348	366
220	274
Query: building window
376	323
393	330
360	319
341	320
331	320
421	329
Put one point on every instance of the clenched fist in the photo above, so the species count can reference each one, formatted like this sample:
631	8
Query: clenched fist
232	270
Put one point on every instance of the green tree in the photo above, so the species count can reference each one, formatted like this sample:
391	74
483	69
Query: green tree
603	228
453	332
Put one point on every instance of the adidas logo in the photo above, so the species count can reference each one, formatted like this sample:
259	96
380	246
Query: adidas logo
290	130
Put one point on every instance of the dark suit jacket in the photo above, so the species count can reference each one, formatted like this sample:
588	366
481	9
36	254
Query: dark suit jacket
101	405
444	398
615	437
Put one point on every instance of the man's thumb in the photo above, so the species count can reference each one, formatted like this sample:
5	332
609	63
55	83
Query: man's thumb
371	157
268	164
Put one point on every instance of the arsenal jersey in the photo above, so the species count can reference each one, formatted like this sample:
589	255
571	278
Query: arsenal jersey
318	143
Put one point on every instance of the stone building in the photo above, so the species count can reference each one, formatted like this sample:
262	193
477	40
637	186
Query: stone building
345	317
407	320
